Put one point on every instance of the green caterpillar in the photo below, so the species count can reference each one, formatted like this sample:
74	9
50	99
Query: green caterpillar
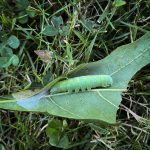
82	83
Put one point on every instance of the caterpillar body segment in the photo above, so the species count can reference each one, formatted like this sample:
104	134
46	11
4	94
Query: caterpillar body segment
82	83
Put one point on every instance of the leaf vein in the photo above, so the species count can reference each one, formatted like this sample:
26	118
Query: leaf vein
107	100
63	108
145	50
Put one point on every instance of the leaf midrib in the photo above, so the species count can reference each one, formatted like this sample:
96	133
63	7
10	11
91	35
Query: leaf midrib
140	55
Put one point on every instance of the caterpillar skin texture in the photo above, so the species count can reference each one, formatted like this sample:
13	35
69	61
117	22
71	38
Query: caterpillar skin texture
82	83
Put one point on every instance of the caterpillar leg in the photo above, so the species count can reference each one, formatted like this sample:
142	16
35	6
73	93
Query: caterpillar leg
83	89
76	90
70	91
88	88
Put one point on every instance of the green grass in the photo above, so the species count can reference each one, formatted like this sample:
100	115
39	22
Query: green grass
95	29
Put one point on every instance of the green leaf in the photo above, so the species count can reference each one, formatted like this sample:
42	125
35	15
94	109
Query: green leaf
13	42
64	31
14	60
48	77
118	3
31	12
4	62
22	4
6	51
2	147
57	137
7	61
100	104
2	46
25	94
88	24
50	30
23	17
57	21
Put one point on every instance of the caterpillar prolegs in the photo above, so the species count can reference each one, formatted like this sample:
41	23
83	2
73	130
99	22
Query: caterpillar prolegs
82	83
